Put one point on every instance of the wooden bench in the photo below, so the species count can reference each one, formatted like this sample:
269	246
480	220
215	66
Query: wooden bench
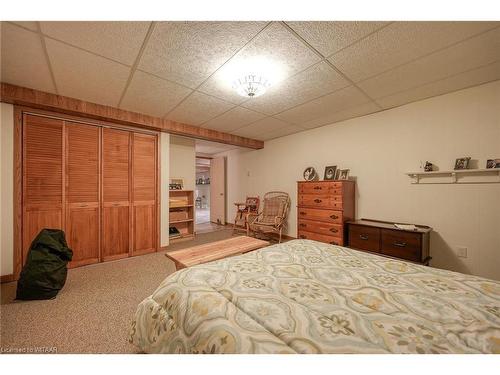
214	250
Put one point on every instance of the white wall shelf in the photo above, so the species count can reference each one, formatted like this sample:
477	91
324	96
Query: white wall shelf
459	176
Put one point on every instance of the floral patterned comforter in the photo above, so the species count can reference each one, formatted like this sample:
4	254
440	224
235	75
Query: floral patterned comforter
308	297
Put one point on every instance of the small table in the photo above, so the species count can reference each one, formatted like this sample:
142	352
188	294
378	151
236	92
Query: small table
214	251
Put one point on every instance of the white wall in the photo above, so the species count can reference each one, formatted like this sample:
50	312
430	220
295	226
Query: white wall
183	160
378	149
164	181
6	189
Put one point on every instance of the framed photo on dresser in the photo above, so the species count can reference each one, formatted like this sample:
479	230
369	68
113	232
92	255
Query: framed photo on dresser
330	173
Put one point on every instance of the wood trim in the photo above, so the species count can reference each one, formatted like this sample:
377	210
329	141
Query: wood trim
18	191
7	278
62	104
131	219
158	192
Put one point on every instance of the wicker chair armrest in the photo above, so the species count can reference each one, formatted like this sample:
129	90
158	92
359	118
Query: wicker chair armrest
251	217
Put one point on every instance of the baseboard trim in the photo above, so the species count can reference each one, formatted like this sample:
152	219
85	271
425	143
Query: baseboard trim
7	278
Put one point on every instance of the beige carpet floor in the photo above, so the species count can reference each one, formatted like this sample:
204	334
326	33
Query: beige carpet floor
92	313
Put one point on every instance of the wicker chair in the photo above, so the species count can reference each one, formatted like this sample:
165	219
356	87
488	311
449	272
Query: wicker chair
272	218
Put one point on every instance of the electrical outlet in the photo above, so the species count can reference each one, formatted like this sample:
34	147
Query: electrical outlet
462	252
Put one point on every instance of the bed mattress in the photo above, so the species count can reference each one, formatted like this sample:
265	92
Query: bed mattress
304	296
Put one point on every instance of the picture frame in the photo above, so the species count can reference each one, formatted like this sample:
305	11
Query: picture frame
176	184
330	173
344	174
310	174
492	163
462	163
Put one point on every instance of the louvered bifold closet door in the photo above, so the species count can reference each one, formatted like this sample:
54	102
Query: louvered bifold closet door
43	177
82	192
116	178
144	193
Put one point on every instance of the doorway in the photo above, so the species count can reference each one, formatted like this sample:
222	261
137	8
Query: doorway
210	194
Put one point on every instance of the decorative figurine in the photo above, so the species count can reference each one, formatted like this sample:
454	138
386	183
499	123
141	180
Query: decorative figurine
428	166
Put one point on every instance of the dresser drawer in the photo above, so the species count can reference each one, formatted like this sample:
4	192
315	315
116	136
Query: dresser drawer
320	227
336	191
321	238
364	238
400	244
321	201
329	216
314	188
320	187
314	200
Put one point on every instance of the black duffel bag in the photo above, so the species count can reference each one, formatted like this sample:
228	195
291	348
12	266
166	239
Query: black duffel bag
44	273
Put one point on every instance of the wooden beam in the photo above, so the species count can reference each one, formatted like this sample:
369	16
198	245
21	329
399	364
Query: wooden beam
62	104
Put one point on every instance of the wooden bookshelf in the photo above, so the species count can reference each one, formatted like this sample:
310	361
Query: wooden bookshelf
181	213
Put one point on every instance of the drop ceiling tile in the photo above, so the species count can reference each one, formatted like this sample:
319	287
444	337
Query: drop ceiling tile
275	44
258	129
400	43
85	76
31	25
189	52
361	110
281	132
339	100
472	53
22	54
233	119
199	108
152	95
312	83
460	81
330	37
118	40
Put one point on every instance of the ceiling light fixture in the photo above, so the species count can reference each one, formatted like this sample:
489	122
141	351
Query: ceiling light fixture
251	85
252	77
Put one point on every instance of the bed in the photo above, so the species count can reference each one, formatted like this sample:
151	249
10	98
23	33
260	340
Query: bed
304	296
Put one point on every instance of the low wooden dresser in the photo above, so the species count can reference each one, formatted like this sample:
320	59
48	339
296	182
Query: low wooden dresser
323	207
384	238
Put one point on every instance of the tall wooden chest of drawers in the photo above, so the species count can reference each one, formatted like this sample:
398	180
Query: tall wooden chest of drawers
322	209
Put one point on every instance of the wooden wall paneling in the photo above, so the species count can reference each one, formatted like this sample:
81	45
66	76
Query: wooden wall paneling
18	192
43	177
115	194
144	182
47	101
82	192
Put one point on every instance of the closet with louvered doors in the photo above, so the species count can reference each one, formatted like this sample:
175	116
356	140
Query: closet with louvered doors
116	193
43	177
82	175
144	182
97	183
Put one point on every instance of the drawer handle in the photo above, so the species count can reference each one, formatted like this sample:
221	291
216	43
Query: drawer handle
83	205
364	237
334	217
317	188
303	213
302	225
317	200
302	236
116	204
334	230
334	243
399	244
